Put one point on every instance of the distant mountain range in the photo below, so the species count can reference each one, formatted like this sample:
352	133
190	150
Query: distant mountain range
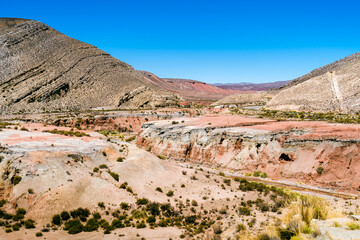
247	86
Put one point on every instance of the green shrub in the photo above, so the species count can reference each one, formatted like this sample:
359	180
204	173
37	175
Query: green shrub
31	191
320	170
244	211
15	180
73	226
2	202
29	223
240	227
257	174
151	219
65	215
153	208
102	166
91	225
162	157
120	159
141	224
124	185
38	234
159	189
56	219
124	206
264	175
130	139
139	214
96	215
101	204
16	226
170	193
117	223
353	226
114	175
142	201
129	189
96	169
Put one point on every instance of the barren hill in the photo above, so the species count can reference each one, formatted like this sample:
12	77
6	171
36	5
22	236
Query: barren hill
189	90
334	87
42	69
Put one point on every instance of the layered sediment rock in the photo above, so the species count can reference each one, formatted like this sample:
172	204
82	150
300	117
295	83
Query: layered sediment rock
42	69
315	153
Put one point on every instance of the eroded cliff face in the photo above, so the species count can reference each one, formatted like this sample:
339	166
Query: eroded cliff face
315	153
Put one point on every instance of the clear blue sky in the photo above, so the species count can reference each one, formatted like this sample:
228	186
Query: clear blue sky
211	41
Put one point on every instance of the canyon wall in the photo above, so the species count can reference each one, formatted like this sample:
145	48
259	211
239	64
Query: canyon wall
314	153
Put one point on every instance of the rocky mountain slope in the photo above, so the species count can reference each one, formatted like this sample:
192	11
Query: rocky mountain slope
334	87
189	90
42	69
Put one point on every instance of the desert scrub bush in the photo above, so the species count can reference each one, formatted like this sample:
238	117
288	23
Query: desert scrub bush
24	129
38	234
307	208
16	180
31	191
20	214
82	213
151	219
170	193
56	219
159	189
320	170
67	133
142	201
91	225
2	202
153	208
96	169
221	174
120	159
124	185
353	226
103	166
130	139
64	215
336	224
263	175
244	211
138	214
240	227
29	223
129	189
174	122
101	204
114	175
194	203
162	157
227	182
257	174
73	226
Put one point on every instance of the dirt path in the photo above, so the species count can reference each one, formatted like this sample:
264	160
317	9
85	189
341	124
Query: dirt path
293	186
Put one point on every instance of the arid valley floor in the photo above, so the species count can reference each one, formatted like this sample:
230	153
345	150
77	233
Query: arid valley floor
177	173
